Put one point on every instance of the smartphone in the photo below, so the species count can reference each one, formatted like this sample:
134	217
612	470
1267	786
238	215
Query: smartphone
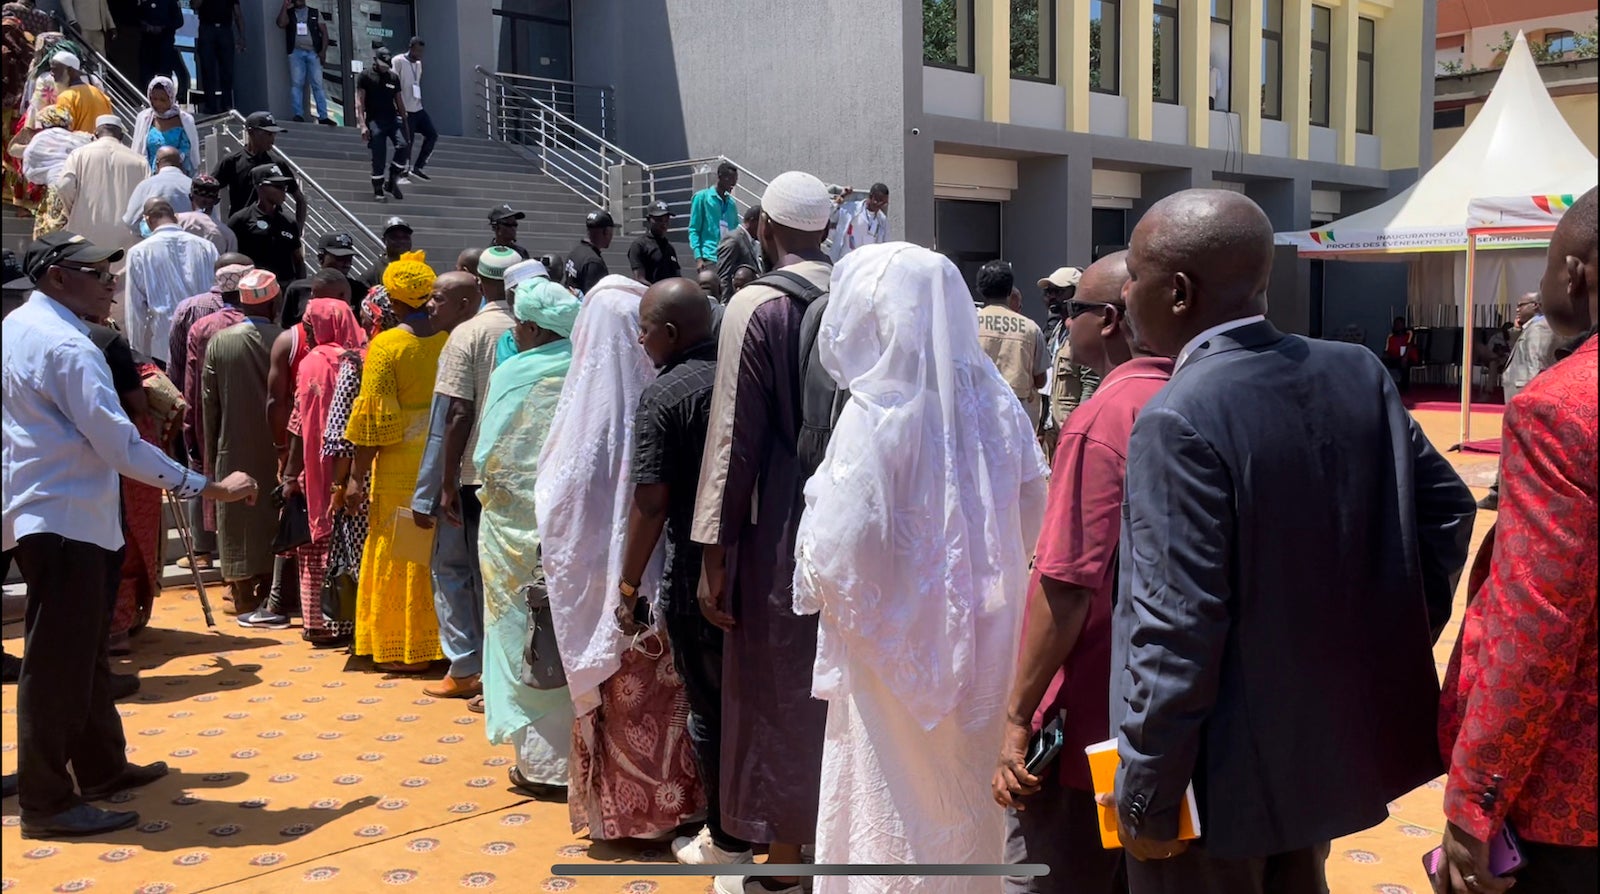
1505	856
1044	746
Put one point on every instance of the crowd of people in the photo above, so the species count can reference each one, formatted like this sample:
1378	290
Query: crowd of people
802	554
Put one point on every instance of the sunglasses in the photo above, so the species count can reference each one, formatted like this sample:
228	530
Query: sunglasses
105	276
1076	308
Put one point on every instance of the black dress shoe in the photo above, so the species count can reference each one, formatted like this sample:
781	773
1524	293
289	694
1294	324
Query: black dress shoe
8	785
132	776
1490	501
10	667
78	821
123	685
537	790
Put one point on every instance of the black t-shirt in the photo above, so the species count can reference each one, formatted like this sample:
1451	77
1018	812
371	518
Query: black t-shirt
669	436
233	172
585	267
268	240
655	256
125	376
215	12
298	295
381	92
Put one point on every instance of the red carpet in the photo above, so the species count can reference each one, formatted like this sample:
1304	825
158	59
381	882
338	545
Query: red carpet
1484	445
1445	399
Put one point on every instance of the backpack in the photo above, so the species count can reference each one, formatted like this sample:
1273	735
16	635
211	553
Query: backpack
821	400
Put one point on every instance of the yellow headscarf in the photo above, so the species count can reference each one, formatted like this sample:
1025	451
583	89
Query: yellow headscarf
409	280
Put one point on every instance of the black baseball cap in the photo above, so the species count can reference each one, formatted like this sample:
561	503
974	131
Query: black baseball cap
56	247
503	213
659	209
599	219
340	245
269	174
263	121
396	223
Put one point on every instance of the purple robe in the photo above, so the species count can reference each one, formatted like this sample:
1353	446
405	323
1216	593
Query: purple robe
749	501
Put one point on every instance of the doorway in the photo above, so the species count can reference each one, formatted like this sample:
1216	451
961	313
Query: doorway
969	233
534	37
355	29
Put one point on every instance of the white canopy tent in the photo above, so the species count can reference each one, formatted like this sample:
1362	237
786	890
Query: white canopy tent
1519	145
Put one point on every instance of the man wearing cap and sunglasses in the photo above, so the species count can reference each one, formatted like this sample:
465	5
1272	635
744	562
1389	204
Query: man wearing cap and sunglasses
651	258
1070	383
585	265
204	221
396	242
335	251
503	220
268	237
66	440
236	170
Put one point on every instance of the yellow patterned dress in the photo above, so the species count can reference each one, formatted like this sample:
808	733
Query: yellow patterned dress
395	619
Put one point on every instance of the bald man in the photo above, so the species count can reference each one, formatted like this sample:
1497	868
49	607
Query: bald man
467	261
167	181
165	268
1290	545
1517	718
675	325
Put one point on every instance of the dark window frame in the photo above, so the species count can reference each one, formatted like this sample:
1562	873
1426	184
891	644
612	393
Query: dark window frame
1326	46
1276	37
1047	61
971	50
1368	59
1115	87
1167	9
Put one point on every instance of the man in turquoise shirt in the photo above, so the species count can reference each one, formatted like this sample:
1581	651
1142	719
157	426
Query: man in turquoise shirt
712	215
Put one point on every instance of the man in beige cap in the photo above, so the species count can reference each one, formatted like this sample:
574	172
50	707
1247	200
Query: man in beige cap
761	446
1068	383
233	395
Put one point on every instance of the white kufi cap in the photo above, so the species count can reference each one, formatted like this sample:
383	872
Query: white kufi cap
799	201
70	60
523	271
108	120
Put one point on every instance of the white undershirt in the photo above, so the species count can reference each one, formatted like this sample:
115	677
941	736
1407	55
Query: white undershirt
1214	331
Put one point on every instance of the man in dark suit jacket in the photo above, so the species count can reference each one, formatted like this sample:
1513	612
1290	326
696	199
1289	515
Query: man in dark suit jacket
1290	545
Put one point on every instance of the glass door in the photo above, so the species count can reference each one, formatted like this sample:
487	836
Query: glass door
355	29
534	37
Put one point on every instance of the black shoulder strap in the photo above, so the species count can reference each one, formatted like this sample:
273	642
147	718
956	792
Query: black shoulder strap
792	284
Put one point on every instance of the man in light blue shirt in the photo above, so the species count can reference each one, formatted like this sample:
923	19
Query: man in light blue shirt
168	182
713	214
66	440
167	267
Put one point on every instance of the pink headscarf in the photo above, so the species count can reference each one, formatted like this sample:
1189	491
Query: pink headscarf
332	324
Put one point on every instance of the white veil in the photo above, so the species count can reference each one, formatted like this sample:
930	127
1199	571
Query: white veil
920	523
583	491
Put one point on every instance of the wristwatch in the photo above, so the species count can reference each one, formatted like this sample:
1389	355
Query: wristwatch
626	589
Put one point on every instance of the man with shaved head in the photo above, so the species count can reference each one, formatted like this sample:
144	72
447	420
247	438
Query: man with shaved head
165	268
168	181
1291	543
1517	720
669	437
1064	664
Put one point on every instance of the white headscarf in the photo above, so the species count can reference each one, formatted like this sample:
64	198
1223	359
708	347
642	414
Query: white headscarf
919	524
583	492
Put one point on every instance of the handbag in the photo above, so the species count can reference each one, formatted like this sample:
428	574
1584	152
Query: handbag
294	523
541	659
339	582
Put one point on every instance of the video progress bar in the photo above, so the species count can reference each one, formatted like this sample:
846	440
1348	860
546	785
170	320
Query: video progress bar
761	870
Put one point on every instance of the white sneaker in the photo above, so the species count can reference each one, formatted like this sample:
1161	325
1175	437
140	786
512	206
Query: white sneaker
700	850
738	884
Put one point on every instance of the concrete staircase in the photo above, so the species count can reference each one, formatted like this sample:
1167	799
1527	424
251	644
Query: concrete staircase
450	212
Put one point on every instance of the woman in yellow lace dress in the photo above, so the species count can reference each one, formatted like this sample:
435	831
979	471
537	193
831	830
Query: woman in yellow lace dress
395	619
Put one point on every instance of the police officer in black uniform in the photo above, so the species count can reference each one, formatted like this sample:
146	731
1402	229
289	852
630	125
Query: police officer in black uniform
585	266
651	257
265	234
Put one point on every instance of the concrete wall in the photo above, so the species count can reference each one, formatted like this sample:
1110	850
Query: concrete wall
772	85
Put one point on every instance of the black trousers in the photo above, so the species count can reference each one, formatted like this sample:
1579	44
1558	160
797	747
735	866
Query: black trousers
1060	828
422	126
379	132
65	715
697	654
214	50
1196	872
1554	869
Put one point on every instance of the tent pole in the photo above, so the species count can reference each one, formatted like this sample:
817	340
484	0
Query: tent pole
1466	342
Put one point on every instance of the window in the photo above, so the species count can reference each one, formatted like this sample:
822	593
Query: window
1033	48
1444	118
1221	52
1321	42
947	33
1559	43
1365	39
1105	39
1272	59
1164	52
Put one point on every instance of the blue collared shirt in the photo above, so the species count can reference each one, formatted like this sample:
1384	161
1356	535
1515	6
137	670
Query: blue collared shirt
711	216
66	434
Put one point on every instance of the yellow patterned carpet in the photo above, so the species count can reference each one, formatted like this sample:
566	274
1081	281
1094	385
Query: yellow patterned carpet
299	767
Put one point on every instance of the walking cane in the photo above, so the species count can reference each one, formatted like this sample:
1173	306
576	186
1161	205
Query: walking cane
181	520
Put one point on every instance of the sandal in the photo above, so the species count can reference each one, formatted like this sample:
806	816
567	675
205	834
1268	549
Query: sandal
541	791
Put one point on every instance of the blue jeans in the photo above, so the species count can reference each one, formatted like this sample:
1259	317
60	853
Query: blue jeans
458	588
304	66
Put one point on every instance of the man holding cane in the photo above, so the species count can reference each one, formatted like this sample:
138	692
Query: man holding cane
66	440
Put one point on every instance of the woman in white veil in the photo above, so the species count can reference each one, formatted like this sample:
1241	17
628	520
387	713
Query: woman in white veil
632	769
914	550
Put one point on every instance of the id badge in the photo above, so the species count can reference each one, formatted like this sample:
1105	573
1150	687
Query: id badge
416	91
302	29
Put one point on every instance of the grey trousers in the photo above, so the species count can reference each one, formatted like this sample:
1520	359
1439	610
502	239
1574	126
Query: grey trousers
1060	828
1196	872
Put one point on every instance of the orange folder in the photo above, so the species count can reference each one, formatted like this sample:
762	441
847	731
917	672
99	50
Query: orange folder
1103	772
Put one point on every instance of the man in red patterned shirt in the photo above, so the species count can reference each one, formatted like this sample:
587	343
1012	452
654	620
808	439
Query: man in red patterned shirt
1517	721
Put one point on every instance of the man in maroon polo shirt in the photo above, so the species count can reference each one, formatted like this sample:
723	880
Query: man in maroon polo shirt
1064	664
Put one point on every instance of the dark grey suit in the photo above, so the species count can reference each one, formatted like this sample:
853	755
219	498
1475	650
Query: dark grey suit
1290	546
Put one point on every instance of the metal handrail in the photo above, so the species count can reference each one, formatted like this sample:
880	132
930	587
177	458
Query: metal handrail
324	213
578	101
127	99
